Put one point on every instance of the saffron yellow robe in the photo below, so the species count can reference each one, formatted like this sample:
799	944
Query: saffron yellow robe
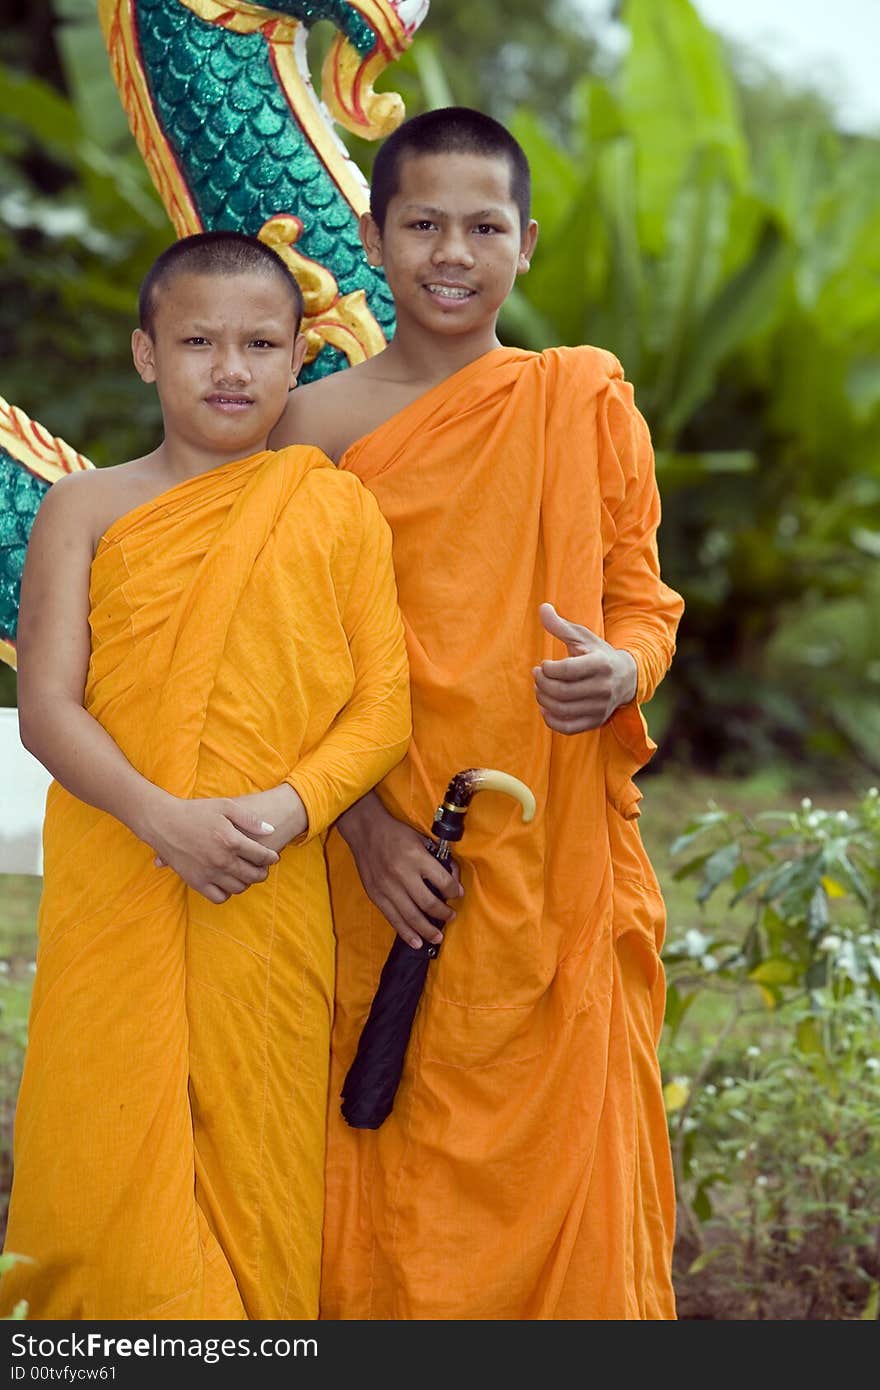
524	1172
169	1137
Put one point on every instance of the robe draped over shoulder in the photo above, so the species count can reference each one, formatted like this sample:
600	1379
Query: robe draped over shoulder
169	1136
525	1169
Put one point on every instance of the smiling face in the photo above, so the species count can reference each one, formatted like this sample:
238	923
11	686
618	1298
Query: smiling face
224	352
451	245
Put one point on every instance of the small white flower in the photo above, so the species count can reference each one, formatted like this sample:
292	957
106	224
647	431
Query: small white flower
32	965
872	1064
761	1180
709	963
753	1051
806	804
710	1090
4	967
830	943
741	1153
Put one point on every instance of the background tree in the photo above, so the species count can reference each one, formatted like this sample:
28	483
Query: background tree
700	219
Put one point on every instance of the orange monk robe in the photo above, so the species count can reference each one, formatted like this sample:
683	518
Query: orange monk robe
169	1138
525	1170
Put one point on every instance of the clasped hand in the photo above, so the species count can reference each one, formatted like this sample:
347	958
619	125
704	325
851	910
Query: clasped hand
223	845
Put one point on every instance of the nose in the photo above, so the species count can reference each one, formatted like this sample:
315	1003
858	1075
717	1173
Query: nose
453	248
230	366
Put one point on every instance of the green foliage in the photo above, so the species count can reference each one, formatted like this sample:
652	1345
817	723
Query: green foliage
734	271
698	217
80	223
20	1311
773	1111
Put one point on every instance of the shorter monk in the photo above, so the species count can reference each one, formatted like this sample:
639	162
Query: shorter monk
212	666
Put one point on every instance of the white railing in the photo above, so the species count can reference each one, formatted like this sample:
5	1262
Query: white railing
23	786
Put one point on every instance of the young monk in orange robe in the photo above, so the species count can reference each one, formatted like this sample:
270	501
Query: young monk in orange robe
524	1172
220	672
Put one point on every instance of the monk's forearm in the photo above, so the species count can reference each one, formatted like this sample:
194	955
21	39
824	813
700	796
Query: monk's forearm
353	822
350	759
82	756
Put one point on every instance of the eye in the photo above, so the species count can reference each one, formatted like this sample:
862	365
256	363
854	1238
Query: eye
261	343
422	225
196	342
487	228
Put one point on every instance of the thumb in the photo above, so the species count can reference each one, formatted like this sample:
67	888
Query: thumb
577	638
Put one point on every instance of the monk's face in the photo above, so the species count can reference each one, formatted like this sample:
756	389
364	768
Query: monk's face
452	245
224	352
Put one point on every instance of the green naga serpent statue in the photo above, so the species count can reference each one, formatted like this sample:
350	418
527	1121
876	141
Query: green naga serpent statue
220	101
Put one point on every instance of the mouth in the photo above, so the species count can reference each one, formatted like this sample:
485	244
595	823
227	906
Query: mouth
228	402
449	293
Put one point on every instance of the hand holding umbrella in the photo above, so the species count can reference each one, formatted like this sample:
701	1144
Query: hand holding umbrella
373	1077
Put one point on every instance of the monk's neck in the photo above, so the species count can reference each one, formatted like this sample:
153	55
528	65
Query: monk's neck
426	363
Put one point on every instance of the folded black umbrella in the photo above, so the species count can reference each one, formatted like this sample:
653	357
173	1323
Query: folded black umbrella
373	1077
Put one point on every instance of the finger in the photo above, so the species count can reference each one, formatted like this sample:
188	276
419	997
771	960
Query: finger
447	886
159	862
415	906
431	905
568	725
593	690
413	935
231	883
447	883
247	874
252	853
571	668
585	716
214	893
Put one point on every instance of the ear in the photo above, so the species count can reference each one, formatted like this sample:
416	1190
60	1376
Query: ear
527	247
143	352
371	238
300	347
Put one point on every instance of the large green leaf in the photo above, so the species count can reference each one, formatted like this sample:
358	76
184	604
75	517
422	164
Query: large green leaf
744	307
678	99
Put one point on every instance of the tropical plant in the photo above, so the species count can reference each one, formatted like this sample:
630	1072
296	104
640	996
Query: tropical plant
776	1149
735	274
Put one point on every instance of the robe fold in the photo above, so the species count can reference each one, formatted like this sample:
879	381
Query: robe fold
169	1135
524	1172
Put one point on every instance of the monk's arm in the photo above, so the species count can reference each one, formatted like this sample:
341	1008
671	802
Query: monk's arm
604	679
210	844
641	612
372	732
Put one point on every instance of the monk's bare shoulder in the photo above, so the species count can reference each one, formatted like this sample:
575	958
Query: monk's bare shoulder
333	412
84	504
311	417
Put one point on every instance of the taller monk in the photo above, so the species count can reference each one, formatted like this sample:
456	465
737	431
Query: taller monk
524	1172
